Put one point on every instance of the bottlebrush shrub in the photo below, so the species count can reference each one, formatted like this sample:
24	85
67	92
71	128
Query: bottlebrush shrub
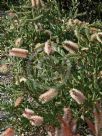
36	72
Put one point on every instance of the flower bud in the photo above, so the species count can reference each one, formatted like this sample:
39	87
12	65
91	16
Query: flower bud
18	101
4	68
77	96
8	132
48	49
70	46
18	42
48	96
36	120
28	113
11	14
18	52
23	79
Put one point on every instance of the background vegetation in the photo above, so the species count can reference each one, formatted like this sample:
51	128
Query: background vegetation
60	70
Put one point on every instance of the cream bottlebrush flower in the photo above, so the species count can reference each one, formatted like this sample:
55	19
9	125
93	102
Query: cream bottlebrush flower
18	42
8	132
99	37
28	113
4	68
49	95
36	120
94	30
93	37
85	49
18	52
77	96
96	37
37	3
48	48
77	22
18	101
100	75
70	46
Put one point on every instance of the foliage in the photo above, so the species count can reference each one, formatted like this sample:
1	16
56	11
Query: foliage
60	70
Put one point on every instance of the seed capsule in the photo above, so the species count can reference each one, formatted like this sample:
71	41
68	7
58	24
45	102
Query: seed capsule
18	42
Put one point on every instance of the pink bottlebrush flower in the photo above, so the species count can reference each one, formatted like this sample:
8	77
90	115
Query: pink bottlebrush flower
49	95
77	96
48	49
70	46
18	52
28	113
67	115
36	120
8	132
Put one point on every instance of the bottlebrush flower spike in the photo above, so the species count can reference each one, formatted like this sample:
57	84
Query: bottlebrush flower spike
96	37
67	115
66	128
48	96
94	30
50	130
8	132
77	95
68	118
70	46
58	132
99	37
37	3
18	101
98	118
28	113
48	48
90	125
18	52
36	120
